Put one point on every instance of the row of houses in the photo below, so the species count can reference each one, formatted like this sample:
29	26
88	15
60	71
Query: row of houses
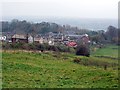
50	38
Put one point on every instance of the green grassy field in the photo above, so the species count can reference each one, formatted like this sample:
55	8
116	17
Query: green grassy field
109	50
57	70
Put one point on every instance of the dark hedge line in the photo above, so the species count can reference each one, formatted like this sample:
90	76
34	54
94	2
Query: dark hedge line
41	47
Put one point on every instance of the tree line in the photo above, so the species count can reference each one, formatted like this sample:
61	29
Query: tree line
112	34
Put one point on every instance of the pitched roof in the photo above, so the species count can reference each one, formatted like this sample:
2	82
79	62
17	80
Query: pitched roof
72	44
19	36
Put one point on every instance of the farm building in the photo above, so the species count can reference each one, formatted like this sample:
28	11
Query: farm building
19	38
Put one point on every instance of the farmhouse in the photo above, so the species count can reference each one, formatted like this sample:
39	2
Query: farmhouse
72	39
19	38
84	39
2	38
30	39
38	40
6	36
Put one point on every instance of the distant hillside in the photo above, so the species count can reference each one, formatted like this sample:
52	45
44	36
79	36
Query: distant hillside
17	26
82	23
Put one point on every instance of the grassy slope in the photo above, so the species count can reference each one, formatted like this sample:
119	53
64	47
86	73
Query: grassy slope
54	70
110	50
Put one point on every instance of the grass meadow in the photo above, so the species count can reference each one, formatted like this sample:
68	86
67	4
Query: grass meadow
58	70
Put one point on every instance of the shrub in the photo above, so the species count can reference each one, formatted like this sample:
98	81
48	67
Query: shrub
77	60
5	46
83	50
25	46
32	46
63	48
93	62
16	45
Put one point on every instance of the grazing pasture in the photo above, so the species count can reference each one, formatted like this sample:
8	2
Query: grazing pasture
58	70
108	51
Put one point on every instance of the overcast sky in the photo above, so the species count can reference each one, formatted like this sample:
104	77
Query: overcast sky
61	8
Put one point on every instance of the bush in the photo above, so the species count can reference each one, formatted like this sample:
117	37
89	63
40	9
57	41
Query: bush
31	46
14	46
83	50
77	60
63	48
37	46
6	46
52	48
93	62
